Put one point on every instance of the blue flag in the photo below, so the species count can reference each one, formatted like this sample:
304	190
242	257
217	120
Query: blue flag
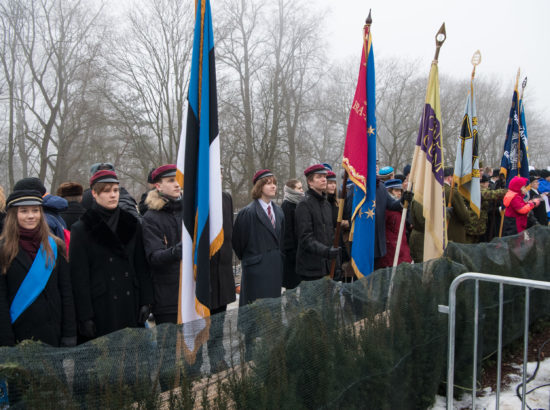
514	159
360	163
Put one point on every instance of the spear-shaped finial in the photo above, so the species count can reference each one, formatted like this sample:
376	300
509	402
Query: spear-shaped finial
368	21
440	38
524	83
476	60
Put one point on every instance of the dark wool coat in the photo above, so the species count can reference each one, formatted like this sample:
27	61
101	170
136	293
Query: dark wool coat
50	317
109	271
222	281
539	211
384	201
259	247
162	226
456	228
73	213
290	245
416	240
315	234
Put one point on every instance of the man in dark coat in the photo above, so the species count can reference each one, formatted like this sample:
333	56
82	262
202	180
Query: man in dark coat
110	276
142	206
72	193
162	226
457	213
540	211
294	193
314	228
257	241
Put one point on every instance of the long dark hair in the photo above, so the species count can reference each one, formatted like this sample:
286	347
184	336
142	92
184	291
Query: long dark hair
9	240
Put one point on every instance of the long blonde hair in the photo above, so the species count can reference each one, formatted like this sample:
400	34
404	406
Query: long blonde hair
9	240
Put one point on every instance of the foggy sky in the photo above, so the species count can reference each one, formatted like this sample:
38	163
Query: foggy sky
509	34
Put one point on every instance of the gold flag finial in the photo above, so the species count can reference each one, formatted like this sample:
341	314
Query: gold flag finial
440	38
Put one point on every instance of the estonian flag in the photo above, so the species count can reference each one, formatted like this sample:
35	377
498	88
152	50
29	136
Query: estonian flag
199	162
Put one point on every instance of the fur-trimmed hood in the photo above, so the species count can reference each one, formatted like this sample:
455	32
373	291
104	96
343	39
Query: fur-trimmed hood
156	202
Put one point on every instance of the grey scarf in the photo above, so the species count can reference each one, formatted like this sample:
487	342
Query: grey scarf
292	196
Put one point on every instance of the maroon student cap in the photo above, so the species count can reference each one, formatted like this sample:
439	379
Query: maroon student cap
331	176
315	169
168	170
262	173
104	176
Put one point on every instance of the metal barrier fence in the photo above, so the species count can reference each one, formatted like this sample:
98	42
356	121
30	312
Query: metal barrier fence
451	311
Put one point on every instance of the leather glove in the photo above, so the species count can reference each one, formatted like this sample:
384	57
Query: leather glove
333	253
87	329
176	251
68	341
407	196
144	312
449	211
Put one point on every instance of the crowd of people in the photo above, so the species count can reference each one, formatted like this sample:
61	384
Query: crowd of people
84	263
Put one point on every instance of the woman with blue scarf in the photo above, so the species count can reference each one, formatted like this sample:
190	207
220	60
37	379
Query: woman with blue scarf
36	300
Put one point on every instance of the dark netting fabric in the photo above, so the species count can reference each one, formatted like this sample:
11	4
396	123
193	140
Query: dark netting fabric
323	345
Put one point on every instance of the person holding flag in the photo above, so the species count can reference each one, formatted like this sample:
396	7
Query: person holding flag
162	226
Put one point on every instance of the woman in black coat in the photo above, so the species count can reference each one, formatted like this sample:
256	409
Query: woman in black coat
36	300
111	280
257	241
294	193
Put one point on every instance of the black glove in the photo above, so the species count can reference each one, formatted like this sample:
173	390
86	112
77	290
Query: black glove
87	329
449	211
333	253
68	341
176	251
144	312
407	196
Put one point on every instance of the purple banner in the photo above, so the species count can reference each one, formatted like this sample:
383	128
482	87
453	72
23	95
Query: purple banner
429	141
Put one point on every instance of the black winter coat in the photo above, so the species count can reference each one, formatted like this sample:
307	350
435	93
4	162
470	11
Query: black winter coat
73	213
50	317
259	247
383	201
222	282
109	271
290	245
162	226
315	233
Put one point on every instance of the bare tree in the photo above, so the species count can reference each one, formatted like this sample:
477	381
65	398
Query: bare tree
152	67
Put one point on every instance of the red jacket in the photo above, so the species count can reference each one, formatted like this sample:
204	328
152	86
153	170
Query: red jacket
393	221
516	207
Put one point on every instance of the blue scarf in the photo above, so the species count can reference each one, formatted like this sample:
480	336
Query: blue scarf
35	281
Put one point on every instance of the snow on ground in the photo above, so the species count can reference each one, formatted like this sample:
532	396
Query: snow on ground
538	399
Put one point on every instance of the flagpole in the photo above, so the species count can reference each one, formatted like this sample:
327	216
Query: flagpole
343	192
440	38
523	85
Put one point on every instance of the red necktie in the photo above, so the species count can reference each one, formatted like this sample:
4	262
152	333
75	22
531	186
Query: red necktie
270	215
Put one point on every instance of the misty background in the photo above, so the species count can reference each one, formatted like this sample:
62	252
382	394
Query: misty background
87	81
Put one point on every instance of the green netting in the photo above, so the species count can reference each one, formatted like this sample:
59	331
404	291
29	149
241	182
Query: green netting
323	345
